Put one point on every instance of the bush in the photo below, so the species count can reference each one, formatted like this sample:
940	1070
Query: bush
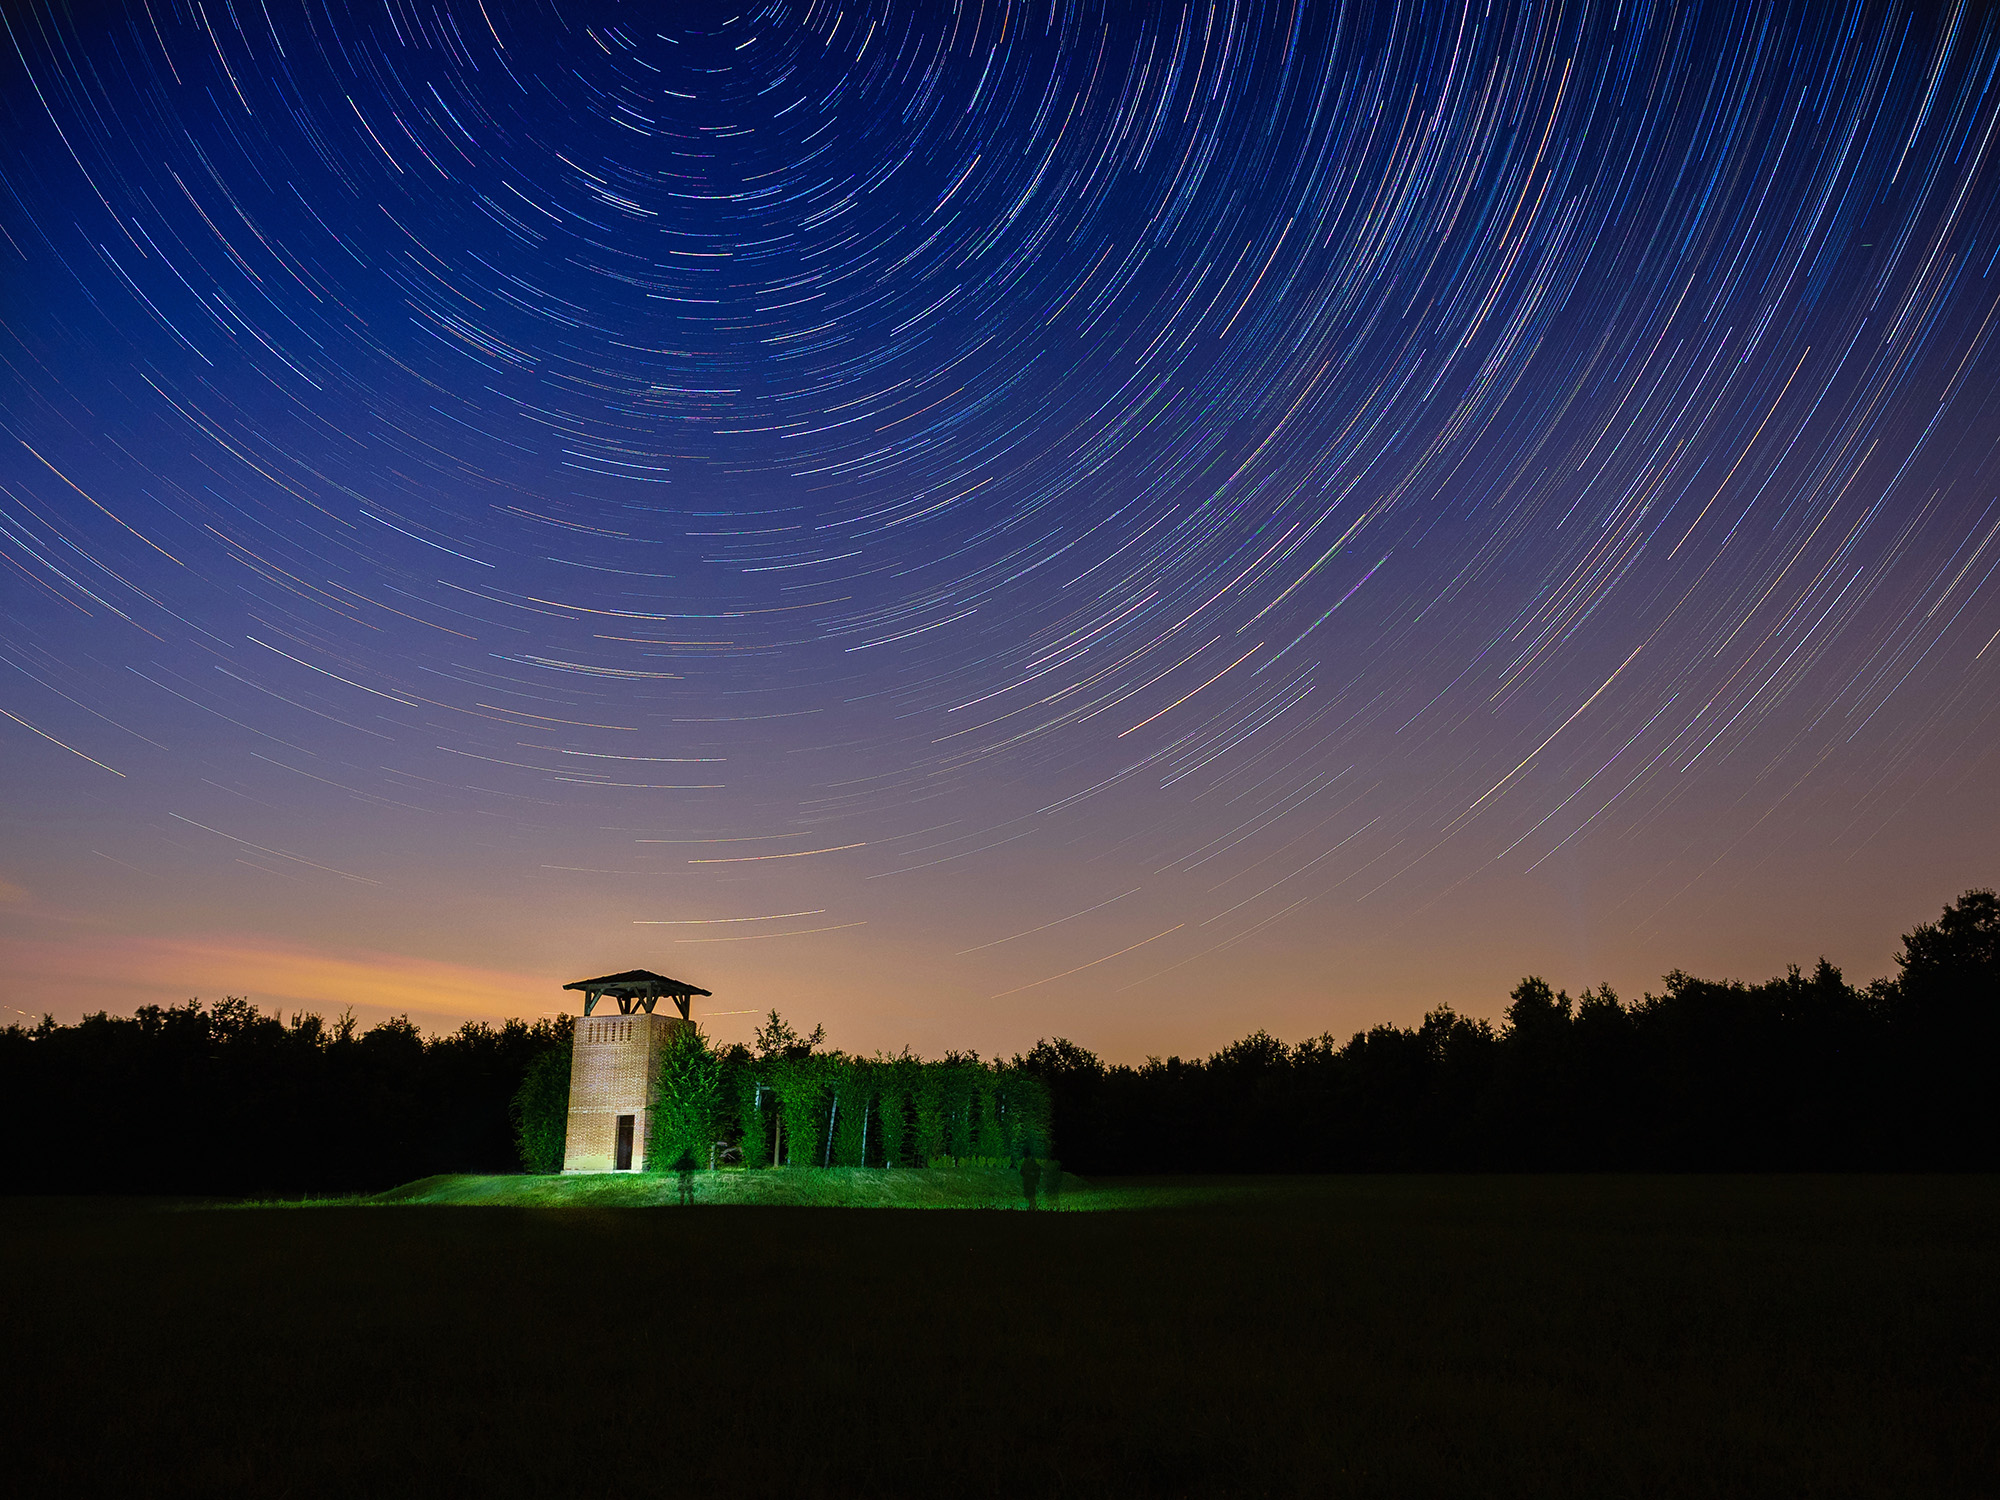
540	1110
853	1106
1023	1101
989	1139
803	1085
927	1099
686	1100
753	1121
892	1102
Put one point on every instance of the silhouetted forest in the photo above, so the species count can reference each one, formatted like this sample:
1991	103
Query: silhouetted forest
1802	1072
224	1099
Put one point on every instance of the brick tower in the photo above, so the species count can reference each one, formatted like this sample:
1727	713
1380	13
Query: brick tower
611	1068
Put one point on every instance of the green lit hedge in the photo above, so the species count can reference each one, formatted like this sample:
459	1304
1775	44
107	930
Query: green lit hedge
796	1106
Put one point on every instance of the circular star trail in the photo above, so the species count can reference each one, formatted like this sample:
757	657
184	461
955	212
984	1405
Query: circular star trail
1067	497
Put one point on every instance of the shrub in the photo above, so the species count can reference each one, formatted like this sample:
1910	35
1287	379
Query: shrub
803	1086
1024	1113
961	1091
853	1108
753	1118
927	1099
686	1095
540	1109
988	1139
892	1102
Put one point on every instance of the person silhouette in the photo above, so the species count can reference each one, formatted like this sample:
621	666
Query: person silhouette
1031	1178
684	1170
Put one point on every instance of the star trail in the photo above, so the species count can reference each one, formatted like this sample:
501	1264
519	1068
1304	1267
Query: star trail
993	519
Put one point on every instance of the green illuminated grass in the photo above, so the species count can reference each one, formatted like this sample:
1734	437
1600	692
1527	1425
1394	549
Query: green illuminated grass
1495	1336
791	1187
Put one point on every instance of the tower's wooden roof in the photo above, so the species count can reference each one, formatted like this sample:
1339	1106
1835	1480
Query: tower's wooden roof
636	984
640	987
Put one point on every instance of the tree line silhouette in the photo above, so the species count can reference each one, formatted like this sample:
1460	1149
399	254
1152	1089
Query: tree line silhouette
1802	1072
225	1099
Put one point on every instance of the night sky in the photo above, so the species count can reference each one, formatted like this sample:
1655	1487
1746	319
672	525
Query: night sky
971	524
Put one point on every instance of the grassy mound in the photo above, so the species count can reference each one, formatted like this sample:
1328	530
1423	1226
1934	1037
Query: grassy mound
788	1187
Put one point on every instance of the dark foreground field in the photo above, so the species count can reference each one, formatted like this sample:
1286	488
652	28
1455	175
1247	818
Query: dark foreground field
1371	1336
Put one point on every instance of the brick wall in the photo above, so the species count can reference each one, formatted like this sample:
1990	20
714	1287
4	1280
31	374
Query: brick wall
611	1066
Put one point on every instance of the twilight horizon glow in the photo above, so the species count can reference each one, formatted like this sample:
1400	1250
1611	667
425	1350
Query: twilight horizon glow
972	523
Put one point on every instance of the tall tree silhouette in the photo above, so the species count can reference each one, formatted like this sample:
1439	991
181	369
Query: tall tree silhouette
1947	1024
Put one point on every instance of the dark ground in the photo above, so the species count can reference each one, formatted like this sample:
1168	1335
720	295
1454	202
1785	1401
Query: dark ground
1530	1336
